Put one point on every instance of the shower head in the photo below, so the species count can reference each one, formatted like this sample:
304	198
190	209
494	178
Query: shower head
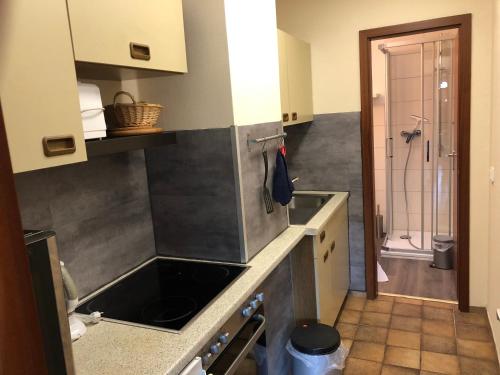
419	118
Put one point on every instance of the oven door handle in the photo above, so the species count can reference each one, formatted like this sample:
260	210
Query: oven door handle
249	345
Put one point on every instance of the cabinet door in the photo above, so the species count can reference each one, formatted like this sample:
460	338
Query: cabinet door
103	31
299	81
324	288
38	85
283	40
339	252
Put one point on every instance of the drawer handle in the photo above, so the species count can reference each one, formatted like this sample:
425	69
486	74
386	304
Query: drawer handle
325	256
286	118
332	247
61	145
139	51
322	236
294	116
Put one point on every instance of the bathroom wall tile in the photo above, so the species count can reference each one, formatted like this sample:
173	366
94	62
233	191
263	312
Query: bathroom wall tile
380	201
408	65
407	89
379	114
401	111
326	155
260	227
379	158
193	196
380	179
100	211
379	135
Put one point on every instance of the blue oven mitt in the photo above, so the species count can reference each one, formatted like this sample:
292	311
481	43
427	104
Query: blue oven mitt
282	184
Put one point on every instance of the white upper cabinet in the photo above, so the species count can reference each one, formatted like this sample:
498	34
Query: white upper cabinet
126	33
38	87
296	79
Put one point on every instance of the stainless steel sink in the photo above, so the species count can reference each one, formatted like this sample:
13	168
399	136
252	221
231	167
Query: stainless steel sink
303	207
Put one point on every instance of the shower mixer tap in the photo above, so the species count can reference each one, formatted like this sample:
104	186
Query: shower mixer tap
410	135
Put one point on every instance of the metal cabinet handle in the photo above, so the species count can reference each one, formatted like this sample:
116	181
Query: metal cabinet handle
332	247
139	51
325	256
59	145
322	236
294	116
286	118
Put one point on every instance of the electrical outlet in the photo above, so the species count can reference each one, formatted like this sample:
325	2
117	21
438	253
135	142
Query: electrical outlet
492	175
498	314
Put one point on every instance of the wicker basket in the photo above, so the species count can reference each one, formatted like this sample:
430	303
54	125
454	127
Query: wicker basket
135	114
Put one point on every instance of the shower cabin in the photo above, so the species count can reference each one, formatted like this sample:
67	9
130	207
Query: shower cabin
414	118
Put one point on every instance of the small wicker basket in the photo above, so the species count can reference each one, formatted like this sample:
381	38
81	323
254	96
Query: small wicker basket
135	114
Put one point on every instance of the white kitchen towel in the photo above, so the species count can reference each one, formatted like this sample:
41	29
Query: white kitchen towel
381	275
94	125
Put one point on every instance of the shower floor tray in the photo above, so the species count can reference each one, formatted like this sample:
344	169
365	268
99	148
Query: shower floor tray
396	247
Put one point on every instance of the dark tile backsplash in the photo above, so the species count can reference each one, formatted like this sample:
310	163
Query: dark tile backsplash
326	155
193	196
260	227
100	212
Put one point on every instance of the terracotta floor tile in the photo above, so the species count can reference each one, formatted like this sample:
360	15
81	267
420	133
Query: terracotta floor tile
346	330
356	366
375	319
402	357
347	343
441	305
411	301
382	297
367	350
428	373
404	323
439	344
473	332
476	318
355	303
379	306
472	366
438	328
350	316
476	349
405	309
404	339
372	334
438	314
440	363
394	370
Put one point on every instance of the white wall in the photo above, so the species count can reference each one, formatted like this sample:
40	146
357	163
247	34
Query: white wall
332	28
494	242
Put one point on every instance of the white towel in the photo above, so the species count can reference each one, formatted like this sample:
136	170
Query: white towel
381	275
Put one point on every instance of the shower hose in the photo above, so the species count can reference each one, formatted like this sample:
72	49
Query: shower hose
408	237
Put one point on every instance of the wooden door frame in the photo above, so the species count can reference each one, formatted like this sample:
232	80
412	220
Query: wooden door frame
21	346
463	23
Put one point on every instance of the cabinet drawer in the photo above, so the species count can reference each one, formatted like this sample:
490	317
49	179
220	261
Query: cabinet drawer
147	34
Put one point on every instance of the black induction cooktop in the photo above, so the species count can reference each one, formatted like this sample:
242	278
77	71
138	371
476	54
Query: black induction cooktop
164	293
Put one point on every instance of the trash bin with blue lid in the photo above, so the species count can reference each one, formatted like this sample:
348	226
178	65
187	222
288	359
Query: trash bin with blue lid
317	350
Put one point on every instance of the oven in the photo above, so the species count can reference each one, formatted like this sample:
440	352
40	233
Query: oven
232	349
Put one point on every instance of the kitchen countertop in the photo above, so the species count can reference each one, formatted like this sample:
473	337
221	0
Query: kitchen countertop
111	348
318	221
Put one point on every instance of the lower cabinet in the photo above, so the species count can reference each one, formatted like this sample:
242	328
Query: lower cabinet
331	265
